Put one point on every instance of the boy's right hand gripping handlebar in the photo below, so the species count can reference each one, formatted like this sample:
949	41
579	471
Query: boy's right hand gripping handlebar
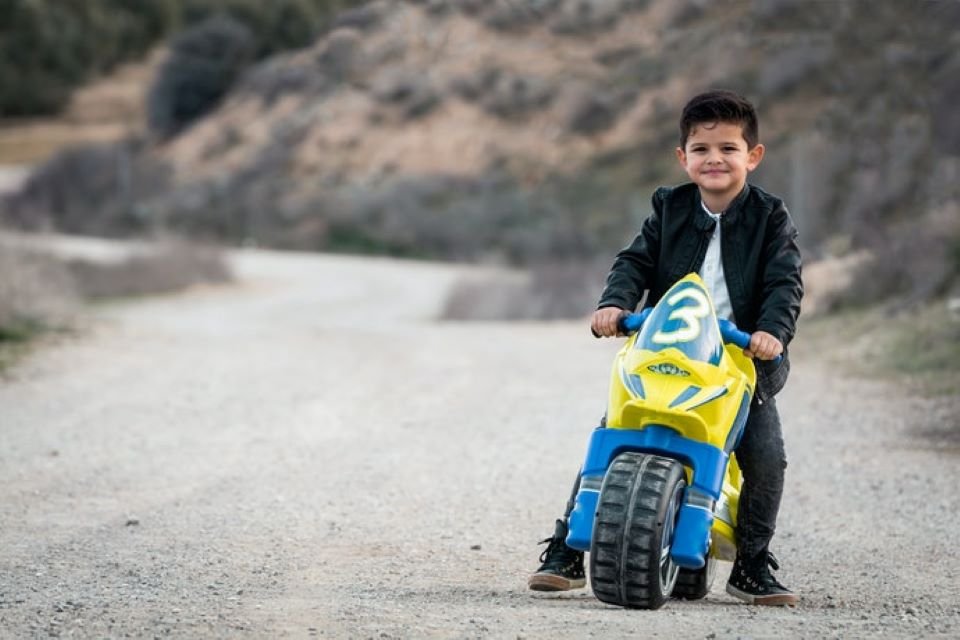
628	323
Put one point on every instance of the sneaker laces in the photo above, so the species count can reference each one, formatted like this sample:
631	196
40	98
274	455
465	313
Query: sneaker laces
553	545
772	561
766	575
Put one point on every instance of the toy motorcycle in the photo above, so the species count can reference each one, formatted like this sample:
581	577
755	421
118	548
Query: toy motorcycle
659	489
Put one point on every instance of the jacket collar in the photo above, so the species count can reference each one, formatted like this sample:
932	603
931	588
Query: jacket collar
704	222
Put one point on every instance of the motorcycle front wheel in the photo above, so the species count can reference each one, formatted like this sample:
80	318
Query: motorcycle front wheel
630	563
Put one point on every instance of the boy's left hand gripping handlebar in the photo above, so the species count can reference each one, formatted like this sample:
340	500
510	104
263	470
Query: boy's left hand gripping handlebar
730	333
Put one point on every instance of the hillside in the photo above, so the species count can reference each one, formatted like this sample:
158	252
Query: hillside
106	110
532	132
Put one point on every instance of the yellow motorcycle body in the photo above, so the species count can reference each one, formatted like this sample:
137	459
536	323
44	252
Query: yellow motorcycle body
662	473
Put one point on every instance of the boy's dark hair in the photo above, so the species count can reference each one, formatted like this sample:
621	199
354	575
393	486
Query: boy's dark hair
720	106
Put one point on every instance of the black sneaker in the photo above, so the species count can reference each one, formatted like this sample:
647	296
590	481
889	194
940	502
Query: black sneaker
562	567
753	583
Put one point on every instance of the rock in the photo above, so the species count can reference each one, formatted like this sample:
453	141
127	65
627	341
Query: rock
362	18
412	92
508	15
827	281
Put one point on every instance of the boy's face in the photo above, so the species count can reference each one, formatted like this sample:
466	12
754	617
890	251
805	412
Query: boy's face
717	160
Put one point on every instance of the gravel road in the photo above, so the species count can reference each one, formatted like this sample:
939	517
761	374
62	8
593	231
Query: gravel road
309	453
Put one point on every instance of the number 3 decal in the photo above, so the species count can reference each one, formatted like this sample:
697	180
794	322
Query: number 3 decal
690	315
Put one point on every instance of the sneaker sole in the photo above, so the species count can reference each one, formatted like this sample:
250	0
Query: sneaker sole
553	582
775	600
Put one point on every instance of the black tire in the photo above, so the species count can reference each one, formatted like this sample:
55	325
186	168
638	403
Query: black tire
630	564
694	584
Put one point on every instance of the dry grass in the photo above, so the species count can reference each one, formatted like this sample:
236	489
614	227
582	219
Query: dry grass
917	346
917	349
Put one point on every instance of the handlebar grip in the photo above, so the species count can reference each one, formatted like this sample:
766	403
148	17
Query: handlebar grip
632	322
730	333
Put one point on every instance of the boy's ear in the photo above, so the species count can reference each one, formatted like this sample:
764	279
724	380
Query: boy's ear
754	156
682	157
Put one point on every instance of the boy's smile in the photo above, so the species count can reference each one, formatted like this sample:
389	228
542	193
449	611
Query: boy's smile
717	160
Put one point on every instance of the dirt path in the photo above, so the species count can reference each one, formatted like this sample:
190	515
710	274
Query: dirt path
309	454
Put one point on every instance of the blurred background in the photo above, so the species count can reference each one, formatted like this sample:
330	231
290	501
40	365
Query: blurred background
526	134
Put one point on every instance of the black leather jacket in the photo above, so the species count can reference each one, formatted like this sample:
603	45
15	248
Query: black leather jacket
761	261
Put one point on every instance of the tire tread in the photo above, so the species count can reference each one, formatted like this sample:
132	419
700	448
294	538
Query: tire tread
622	567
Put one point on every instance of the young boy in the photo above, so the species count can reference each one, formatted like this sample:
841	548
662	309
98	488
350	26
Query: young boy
742	242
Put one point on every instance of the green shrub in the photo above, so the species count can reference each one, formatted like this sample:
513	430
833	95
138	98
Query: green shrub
94	189
50	47
203	64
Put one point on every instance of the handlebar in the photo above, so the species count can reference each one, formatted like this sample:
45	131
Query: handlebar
629	323
730	333
632	322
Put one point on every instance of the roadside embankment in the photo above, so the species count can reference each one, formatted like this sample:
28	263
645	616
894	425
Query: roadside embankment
44	279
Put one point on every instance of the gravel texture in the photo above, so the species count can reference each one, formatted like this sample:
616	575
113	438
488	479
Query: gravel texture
310	454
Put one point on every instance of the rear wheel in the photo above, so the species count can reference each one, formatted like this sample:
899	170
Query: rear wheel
694	584
630	563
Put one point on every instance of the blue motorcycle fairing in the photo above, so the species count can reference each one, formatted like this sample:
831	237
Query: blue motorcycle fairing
692	532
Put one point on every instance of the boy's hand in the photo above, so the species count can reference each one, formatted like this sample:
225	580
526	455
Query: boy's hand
763	346
604	322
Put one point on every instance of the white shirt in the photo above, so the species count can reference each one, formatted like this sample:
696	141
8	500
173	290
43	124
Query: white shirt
712	272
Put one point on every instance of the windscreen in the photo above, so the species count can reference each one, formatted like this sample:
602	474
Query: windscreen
684	319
